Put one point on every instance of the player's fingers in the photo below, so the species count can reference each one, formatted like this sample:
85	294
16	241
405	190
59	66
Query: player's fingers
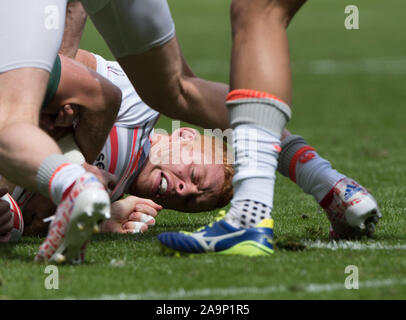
6	223
147	209
6	228
141	217
133	201
150	203
135	227
4	210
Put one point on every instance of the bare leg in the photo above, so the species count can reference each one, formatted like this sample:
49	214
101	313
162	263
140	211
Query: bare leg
25	63
28	156
259	102
74	25
166	83
150	54
23	146
260	53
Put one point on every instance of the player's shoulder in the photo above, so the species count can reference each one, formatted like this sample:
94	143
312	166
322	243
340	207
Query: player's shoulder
104	66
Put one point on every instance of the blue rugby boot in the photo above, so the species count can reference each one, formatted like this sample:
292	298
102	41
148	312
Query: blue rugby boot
221	238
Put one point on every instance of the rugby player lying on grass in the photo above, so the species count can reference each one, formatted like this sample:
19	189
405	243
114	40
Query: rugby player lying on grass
191	187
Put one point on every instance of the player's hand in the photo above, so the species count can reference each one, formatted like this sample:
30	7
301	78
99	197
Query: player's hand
131	215
6	219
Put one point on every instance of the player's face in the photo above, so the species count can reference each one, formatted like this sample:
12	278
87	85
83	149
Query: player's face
187	181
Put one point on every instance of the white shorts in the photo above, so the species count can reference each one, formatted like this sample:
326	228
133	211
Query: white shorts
30	33
131	26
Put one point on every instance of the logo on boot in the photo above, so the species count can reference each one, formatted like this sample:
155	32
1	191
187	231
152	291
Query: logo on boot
350	190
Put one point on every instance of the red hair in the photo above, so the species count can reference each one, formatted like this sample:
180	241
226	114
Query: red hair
226	192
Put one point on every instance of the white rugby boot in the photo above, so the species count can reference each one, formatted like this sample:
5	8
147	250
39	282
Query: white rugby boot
351	209
85	206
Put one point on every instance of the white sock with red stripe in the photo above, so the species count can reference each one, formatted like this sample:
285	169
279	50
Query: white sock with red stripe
257	120
302	164
56	175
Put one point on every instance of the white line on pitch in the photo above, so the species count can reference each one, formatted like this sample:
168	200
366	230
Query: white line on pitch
378	65
352	245
358	66
230	292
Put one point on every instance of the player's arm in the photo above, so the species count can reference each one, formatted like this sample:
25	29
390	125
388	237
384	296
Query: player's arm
74	24
98	99
166	83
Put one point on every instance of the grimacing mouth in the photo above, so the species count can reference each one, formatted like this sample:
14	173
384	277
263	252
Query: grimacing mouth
162	187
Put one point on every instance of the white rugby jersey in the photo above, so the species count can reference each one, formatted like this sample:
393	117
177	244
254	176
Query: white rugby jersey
128	143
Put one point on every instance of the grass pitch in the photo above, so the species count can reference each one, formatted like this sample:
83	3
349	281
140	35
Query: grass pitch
348	103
